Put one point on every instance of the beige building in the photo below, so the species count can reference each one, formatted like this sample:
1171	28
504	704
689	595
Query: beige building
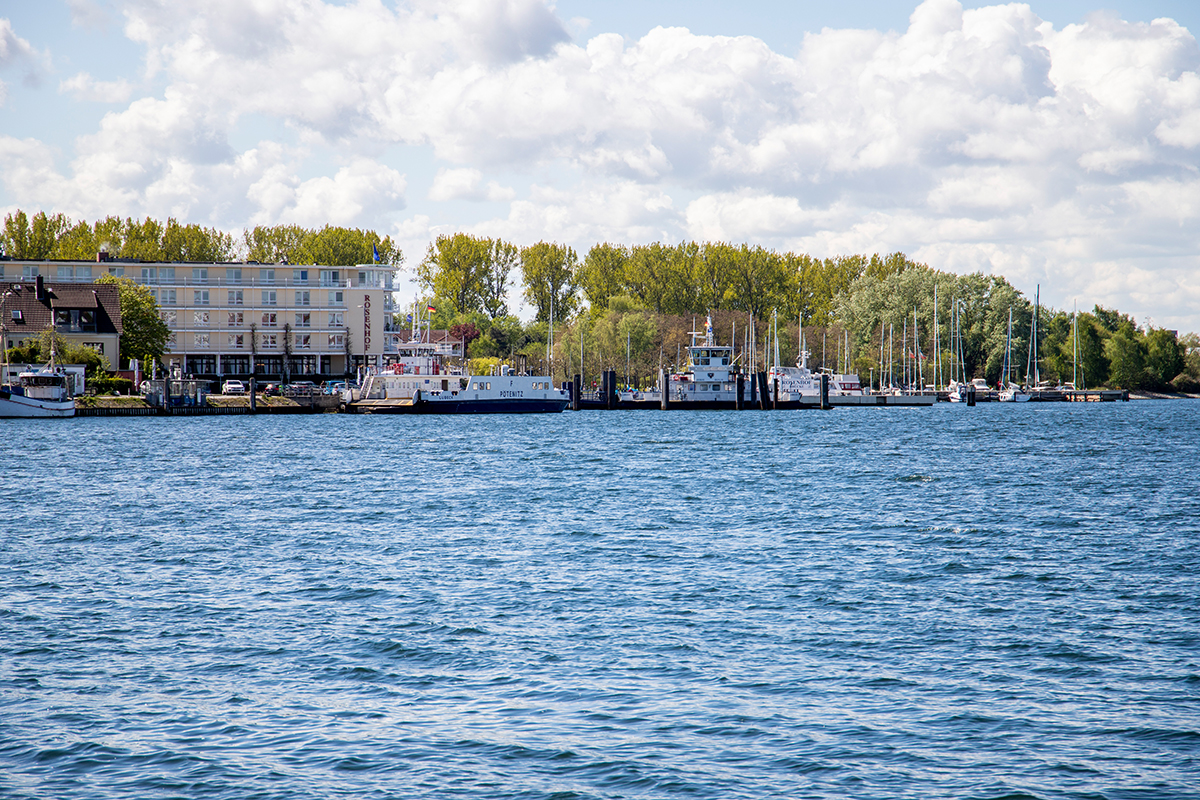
241	319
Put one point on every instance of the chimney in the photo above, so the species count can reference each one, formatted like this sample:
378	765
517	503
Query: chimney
41	289
102	255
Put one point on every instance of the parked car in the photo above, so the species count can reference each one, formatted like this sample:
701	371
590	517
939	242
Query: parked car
271	390
302	388
233	387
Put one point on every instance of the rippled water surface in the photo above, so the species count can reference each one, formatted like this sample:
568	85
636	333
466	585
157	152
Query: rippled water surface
989	602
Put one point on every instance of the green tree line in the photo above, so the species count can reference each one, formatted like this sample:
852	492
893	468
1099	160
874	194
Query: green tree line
57	237
633	308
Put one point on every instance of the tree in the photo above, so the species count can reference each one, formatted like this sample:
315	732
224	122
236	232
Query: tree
1164	357
194	243
548	271
455	269
34	239
273	244
144	334
1126	358
38	350
465	331
602	273
502	260
143	240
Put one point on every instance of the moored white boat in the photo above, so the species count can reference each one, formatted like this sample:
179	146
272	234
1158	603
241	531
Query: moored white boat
45	392
419	381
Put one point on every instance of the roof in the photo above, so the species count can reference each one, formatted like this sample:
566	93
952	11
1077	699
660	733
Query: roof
35	312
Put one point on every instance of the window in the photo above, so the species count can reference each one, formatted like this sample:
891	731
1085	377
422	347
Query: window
166	297
202	340
149	275
300	276
116	271
170	317
237	319
29	271
337	340
236	297
64	273
165	274
337	319
97	346
304	341
362	279
200	274
329	277
267	276
304	320
237	340
336	298
200	318
200	297
268	297
75	320
270	340
270	319
18	315
233	275
302	298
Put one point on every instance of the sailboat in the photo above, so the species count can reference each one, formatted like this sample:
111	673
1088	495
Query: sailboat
957	389
1010	392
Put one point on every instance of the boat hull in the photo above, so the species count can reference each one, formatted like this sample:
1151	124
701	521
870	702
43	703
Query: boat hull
488	406
15	406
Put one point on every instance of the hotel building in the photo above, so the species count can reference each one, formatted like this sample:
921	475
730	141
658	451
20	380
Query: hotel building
243	319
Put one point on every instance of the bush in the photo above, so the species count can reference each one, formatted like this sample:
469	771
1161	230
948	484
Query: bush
1186	383
110	384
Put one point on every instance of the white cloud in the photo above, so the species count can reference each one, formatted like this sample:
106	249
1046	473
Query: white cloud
983	139
340	200
467	184
84	87
88	13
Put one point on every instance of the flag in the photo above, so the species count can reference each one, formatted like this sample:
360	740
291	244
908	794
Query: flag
431	308
375	252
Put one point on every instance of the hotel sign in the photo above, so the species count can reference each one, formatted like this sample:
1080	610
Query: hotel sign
366	323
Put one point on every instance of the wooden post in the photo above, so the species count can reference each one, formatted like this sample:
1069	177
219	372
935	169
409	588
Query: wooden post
825	391
664	390
576	385
738	401
253	396
763	401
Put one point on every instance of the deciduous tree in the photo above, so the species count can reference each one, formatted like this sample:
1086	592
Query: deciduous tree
145	335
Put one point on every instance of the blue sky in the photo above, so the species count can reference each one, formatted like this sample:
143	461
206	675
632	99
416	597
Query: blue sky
1055	143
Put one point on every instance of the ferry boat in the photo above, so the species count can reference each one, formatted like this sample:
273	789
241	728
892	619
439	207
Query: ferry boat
45	392
419	381
798	381
709	378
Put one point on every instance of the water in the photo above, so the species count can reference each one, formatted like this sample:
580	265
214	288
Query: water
994	602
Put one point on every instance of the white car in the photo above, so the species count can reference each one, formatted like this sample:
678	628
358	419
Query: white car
233	387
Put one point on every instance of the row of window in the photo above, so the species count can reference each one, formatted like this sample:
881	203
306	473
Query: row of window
237	297
269	341
233	275
237	319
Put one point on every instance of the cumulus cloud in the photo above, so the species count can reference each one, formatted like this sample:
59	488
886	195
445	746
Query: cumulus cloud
84	87
975	139
467	184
